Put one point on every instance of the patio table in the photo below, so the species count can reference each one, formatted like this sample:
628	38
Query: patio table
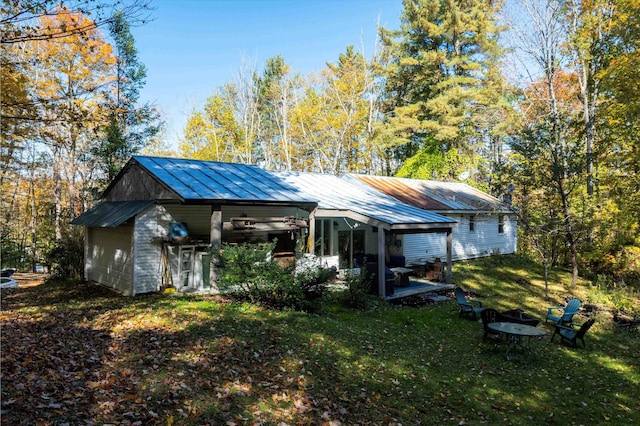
515	333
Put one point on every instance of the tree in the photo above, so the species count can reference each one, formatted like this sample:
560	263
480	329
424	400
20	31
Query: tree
213	133
621	84
277	89
548	147
589	23
332	122
17	112
441	68
71	75
130	125
23	21
618	153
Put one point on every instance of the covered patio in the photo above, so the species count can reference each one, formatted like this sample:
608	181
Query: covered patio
352	219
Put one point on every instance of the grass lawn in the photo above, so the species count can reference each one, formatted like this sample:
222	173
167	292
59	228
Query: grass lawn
75	353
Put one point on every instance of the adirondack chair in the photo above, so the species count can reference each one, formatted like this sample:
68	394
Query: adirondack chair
565	313
572	334
467	307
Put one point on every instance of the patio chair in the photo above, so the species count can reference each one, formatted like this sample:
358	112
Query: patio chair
572	334
467	307
566	312
488	316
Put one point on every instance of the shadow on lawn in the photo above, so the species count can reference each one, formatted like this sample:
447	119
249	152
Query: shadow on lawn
81	353
54	349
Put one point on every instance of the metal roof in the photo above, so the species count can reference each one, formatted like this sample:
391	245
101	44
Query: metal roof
347	193
435	195
216	181
110	214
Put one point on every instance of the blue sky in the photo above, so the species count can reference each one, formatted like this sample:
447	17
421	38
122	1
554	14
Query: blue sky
193	47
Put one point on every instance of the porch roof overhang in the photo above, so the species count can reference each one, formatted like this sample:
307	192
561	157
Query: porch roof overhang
398	228
110	214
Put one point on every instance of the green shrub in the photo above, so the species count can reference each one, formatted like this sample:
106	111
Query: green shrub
248	271
313	283
357	293
615	297
67	257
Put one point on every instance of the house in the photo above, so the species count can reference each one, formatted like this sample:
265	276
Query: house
161	222
159	218
486	225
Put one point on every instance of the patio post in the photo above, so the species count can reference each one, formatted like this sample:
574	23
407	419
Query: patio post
449	260
381	264
216	244
311	241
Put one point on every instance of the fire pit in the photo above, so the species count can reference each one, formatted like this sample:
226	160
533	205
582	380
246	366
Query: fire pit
520	317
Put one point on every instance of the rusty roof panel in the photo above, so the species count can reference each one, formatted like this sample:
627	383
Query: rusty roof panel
401	191
435	195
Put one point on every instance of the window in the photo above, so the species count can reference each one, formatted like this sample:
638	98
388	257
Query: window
500	224
472	223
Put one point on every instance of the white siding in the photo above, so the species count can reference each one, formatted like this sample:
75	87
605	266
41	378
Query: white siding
110	257
510	234
419	249
151	227
484	240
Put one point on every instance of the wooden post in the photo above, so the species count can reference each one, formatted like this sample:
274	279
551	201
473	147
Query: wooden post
216	244
382	290
311	242
449	260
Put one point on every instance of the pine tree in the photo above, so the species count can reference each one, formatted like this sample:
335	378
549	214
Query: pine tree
130	125
441	71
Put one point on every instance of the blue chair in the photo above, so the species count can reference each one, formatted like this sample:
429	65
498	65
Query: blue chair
565	314
471	307
572	334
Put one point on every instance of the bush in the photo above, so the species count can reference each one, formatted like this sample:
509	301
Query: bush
357	293
248	271
67	257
